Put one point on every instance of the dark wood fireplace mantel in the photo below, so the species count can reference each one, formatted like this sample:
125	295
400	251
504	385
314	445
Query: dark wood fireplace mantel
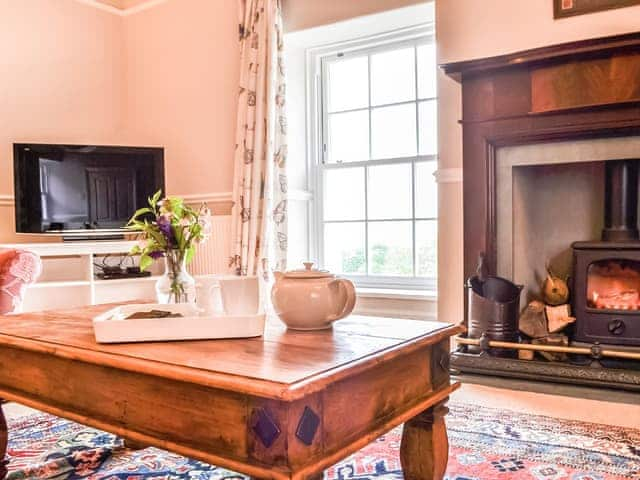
587	89
575	90
559	53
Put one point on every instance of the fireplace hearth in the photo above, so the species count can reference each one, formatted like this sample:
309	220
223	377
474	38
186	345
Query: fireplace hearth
572	94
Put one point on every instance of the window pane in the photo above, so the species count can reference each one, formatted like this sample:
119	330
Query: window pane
428	127
393	76
349	136
344	194
426	190
427	248
344	247
390	248
389	191
393	131
348	86
427	71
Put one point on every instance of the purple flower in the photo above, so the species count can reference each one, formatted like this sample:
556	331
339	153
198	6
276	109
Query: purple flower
164	224
156	255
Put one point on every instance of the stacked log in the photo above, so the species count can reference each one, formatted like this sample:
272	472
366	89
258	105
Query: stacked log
554	339
543	321
533	321
558	318
526	354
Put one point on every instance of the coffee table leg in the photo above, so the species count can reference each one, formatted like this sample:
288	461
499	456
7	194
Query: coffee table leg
424	450
4	440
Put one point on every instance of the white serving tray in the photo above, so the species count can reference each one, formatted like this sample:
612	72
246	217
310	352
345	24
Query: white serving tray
111	326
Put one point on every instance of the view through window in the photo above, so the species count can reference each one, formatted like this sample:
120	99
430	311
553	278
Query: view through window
378	214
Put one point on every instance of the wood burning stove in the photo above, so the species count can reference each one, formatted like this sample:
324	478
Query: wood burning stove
606	274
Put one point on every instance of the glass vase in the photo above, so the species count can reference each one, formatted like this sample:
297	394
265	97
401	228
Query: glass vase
176	285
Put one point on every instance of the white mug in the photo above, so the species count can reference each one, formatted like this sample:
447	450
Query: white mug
240	295
230	295
208	296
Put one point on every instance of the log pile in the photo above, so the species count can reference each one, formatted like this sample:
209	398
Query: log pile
543	321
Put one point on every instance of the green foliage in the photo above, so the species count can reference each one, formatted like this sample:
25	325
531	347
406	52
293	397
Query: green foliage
392	261
353	262
168	225
145	262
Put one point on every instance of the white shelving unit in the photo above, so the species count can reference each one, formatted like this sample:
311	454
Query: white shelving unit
69	276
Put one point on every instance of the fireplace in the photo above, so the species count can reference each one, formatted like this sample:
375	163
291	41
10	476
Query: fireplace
526	116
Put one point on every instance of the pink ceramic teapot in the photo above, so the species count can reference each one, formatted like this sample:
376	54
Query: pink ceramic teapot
311	299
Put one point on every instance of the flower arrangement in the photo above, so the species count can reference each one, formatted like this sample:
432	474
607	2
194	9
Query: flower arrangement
170	229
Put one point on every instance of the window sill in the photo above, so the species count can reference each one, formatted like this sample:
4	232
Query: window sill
397	303
397	294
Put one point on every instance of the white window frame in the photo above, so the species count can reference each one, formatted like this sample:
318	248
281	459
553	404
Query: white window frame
317	129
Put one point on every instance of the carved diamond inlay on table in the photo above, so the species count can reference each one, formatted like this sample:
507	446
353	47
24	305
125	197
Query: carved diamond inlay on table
264	427
307	426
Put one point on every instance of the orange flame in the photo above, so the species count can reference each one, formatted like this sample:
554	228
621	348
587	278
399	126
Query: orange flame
614	285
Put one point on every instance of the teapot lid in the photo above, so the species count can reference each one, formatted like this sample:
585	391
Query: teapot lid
308	272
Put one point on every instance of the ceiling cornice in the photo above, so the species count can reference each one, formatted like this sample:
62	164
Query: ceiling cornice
120	8
102	6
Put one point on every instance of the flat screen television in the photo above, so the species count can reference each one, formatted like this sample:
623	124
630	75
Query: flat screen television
81	191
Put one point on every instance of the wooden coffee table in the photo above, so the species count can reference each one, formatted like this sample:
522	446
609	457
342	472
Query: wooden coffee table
285	406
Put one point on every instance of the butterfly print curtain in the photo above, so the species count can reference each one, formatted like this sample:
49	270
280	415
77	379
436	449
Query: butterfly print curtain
260	181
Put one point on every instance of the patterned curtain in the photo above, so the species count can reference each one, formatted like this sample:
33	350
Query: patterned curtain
260	181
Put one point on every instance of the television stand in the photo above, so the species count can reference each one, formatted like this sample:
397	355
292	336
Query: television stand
69	276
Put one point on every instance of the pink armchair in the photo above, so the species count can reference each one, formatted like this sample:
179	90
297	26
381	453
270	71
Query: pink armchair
18	269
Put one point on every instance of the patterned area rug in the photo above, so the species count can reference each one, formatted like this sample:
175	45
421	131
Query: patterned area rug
486	444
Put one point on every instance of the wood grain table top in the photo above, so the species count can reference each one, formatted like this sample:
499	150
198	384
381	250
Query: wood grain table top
283	364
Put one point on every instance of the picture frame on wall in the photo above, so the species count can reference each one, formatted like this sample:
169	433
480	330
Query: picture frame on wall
569	8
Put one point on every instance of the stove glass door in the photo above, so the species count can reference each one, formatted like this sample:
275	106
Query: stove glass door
613	284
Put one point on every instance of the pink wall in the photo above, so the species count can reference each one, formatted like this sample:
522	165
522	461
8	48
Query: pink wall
479	28
181	70
61	77
163	76
61	70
